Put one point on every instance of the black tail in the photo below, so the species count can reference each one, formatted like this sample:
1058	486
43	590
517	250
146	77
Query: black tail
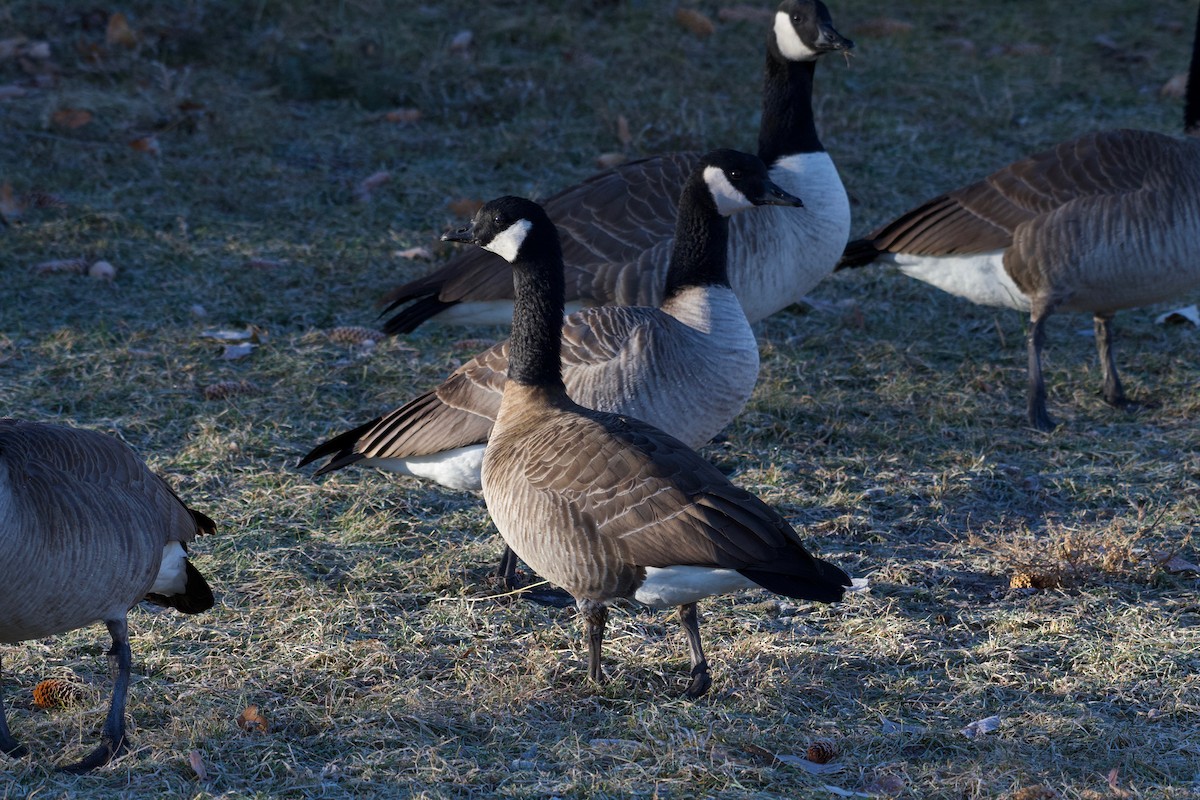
419	310
827	586
197	595
204	524
341	447
858	253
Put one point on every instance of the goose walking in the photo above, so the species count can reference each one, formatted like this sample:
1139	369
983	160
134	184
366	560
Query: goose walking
602	504
616	226
688	366
86	532
1108	221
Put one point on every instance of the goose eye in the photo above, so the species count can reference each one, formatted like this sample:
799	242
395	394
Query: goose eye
735	175
496	219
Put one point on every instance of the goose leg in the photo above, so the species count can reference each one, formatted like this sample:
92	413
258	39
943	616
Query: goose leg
507	568
1114	394
689	618
1038	418
112	739
543	595
595	616
8	744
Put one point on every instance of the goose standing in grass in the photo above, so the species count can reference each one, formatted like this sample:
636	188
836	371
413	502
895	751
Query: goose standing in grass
1108	221
604	505
617	225
86	532
688	366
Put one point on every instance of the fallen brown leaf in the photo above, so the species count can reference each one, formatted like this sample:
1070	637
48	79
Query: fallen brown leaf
464	207
367	186
623	134
71	118
196	761
1176	86
75	266
146	144
1038	792
252	721
884	26
119	33
745	14
417	253
609	160
403	115
696	23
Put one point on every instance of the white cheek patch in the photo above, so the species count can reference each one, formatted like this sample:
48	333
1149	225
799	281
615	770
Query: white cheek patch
728	199
789	42
507	243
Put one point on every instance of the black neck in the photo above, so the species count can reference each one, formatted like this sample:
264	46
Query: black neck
699	254
536	337
1191	113
787	119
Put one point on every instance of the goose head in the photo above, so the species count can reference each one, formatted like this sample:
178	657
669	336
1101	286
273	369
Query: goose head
804	30
506	226
738	181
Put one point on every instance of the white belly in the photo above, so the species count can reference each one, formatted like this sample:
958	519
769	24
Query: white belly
980	278
455	469
675	586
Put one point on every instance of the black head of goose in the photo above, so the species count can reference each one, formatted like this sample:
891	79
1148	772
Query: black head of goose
1108	221
616	226
602	504
688	367
87	532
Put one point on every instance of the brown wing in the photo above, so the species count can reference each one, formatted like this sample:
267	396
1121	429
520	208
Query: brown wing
616	229
984	216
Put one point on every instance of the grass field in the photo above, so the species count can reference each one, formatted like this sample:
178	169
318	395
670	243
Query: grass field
225	158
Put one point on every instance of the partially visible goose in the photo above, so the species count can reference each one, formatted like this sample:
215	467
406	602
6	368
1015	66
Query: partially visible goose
687	367
86	532
602	504
1107	221
616	227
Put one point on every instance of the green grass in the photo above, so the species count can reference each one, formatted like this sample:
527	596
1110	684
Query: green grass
888	425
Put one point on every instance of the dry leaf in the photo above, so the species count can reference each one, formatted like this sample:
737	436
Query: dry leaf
464	207
415	253
10	208
745	14
197	764
75	266
1175	564
56	693
1176	86
623	134
146	144
609	160
403	115
119	33
102	271
695	22
1038	792
461	41
11	91
71	117
251	720
368	185
884	26
981	726
889	784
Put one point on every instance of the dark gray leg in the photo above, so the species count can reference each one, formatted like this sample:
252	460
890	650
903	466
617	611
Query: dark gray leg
7	743
543	595
507	568
112	739
689	618
1038	417
595	617
1114	395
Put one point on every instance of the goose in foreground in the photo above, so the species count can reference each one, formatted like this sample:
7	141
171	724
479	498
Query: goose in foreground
86	532
604	505
1108	221
616	227
688	366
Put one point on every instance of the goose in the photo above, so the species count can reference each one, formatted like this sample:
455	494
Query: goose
688	366
617	225
1107	221
604	505
86	532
